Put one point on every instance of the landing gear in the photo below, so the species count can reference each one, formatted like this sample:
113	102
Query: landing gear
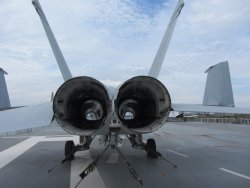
69	150
151	149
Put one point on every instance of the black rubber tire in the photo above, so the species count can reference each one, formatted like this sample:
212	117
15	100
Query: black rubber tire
69	148
151	148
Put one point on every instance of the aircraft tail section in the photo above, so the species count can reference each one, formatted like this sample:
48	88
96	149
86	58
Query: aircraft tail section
4	96
53	43
218	91
159	58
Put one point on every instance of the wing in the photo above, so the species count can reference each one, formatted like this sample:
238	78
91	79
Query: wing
209	109
37	115
26	117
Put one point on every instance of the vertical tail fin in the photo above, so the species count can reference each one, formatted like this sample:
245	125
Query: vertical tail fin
4	96
159	58
53	43
218	91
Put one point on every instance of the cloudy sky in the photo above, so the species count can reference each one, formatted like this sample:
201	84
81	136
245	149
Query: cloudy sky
113	40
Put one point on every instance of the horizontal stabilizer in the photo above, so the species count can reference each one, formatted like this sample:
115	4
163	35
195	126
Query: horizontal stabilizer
26	117
209	109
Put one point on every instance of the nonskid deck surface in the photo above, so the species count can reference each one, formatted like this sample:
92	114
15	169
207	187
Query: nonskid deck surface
207	155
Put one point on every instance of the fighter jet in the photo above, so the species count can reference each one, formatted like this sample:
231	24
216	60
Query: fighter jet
85	107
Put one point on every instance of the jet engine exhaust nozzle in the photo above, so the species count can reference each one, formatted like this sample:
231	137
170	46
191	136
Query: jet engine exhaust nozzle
81	105
143	104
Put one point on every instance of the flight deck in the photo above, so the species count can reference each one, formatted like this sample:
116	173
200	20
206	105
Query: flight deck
206	155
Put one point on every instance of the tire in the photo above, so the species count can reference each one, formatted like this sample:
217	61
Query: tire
68	150
151	148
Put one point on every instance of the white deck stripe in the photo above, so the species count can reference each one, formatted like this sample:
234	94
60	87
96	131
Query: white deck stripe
235	173
51	138
113	158
48	136
13	152
16	137
81	161
177	153
56	139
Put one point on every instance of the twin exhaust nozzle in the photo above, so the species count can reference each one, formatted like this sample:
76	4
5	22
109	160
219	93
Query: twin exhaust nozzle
82	104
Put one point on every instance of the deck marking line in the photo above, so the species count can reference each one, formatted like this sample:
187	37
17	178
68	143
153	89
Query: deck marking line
13	152
235	173
81	161
16	137
57	139
177	153
48	136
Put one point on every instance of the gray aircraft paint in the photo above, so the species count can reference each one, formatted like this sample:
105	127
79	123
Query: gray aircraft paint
162	50
53	43
4	96
218	91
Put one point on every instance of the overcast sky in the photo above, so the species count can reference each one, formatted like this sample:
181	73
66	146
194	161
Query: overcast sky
113	40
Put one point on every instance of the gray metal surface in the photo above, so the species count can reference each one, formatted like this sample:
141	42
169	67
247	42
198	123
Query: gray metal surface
53	43
4	96
25	117
209	109
201	152
218	91
162	50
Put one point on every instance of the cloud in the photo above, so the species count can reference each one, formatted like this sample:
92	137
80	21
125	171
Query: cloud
113	40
